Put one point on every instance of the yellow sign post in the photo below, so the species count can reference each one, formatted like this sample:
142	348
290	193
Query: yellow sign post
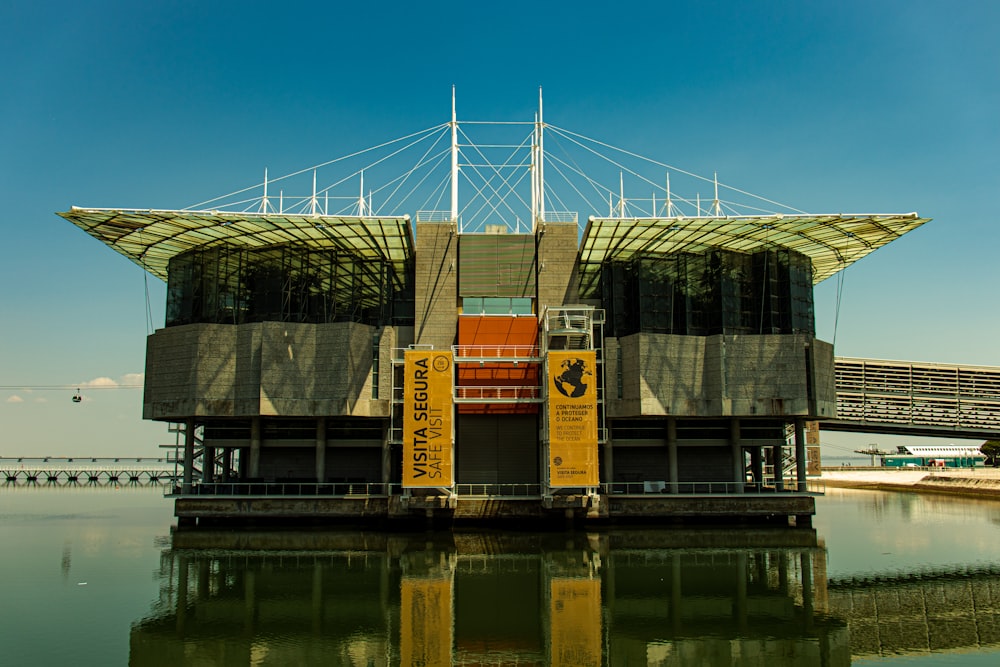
428	449
572	418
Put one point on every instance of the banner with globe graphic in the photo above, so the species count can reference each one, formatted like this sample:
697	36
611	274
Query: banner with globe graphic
572	418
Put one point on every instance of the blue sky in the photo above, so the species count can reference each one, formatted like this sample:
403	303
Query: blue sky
830	107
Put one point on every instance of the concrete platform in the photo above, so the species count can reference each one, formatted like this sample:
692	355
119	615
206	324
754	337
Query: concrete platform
447	510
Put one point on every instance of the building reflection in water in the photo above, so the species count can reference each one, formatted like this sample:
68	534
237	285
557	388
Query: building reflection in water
670	597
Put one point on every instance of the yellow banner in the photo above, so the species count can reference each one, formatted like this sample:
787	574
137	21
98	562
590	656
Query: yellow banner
575	622
573	418
425	620
427	419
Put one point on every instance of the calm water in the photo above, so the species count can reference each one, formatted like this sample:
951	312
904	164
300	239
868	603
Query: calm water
97	577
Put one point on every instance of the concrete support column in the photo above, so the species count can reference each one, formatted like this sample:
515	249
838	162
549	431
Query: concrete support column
757	465
778	462
255	438
188	456
321	449
208	464
672	469
386	457
227	464
609	462
739	467
800	454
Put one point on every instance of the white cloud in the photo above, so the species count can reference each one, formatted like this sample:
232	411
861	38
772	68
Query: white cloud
15	399
133	379
102	382
41	399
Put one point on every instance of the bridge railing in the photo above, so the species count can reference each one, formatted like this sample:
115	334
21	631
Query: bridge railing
709	488
508	490
334	489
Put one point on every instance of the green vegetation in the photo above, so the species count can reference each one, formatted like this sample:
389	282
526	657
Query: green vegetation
991	450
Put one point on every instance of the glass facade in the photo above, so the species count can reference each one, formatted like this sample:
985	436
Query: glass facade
716	292
225	284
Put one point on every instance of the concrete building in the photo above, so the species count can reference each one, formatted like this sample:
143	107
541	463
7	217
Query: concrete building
372	367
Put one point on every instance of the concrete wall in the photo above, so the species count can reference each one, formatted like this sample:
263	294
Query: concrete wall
711	376
558	278
265	368
436	282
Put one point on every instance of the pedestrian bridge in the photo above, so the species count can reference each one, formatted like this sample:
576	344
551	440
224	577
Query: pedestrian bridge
916	398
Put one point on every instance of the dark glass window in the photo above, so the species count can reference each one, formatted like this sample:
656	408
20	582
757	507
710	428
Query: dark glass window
226	284
717	292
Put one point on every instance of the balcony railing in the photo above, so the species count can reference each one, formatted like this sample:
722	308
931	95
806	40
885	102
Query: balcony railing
474	353
505	394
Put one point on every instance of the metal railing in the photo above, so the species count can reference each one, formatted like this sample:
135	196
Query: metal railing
498	394
486	490
505	490
434	216
660	488
559	216
327	489
495	352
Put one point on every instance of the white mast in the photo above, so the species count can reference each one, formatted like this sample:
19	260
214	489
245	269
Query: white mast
263	202
541	161
361	196
312	201
454	159
716	206
534	176
670	204
621	194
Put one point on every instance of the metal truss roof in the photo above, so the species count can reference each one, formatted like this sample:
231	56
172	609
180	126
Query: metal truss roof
150	238
832	242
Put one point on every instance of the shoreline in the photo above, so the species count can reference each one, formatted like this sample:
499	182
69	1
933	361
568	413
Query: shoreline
965	482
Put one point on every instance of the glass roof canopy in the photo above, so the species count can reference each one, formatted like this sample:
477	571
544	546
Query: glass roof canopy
832	242
150	238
